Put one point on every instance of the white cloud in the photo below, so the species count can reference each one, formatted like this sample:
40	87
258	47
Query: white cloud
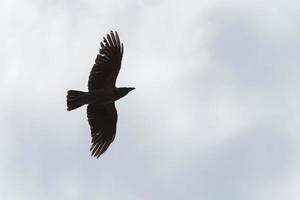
214	113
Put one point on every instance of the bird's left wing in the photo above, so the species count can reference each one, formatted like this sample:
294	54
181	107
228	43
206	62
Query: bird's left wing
103	122
107	64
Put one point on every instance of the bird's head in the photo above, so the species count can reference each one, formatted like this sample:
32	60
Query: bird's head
123	91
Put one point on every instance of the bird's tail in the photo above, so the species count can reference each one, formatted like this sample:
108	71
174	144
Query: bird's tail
75	99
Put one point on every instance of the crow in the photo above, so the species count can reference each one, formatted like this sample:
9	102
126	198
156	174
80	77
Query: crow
102	94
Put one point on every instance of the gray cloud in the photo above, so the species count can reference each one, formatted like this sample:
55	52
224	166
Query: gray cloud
214	115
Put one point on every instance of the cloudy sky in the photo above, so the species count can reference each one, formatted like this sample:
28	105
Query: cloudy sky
214	116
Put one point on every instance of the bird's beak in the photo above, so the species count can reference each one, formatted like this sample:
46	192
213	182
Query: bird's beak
130	89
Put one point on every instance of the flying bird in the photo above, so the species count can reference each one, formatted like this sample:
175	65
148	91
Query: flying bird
102	94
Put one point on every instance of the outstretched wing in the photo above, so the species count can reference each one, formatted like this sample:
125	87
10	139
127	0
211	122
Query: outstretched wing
103	122
107	64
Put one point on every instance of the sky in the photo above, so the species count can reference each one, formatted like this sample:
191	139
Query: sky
214	114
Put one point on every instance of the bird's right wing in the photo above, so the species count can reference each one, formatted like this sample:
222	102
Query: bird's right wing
107	64
103	123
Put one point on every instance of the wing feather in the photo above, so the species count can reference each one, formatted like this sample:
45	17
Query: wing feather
118	39
107	63
109	40
103	123
113	38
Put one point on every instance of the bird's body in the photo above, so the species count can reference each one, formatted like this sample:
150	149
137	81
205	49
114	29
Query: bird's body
96	97
101	111
103	96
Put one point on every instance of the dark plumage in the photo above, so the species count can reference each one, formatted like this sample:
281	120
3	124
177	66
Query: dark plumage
101	112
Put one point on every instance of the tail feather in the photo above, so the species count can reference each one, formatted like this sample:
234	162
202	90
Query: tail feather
75	99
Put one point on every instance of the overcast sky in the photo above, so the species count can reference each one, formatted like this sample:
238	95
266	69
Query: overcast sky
214	115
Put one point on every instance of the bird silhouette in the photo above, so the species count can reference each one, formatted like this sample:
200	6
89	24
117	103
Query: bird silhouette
102	94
